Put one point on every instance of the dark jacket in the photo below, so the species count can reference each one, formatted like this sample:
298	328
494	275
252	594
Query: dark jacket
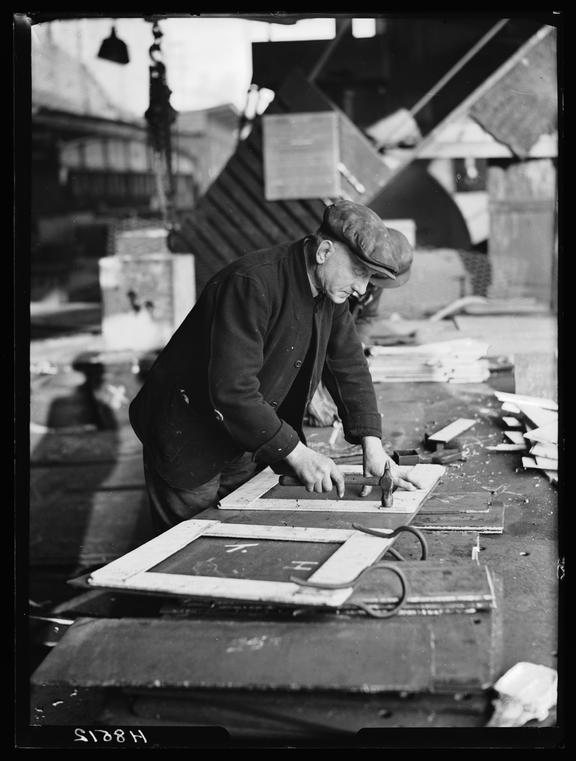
229	379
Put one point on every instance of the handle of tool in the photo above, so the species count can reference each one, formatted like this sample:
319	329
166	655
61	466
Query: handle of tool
349	478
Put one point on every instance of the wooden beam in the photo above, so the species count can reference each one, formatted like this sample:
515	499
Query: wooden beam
237	589
532	464
355	555
511	407
546	434
465	105
516	437
537	416
449	432
547	463
490	521
534	401
545	450
430	585
507	448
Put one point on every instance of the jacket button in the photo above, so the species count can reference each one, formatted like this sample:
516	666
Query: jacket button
273	404
298	363
218	415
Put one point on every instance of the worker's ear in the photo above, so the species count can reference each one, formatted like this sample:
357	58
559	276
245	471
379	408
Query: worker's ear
324	251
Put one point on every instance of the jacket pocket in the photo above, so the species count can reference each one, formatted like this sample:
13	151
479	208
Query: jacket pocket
172	427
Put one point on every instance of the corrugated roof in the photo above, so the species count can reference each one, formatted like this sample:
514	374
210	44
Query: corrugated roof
522	105
234	217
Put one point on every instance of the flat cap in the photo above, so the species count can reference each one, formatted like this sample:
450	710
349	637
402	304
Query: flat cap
382	249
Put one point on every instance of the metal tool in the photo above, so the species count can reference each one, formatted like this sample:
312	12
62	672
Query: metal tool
392	534
379	566
443	457
372	611
385	482
406	457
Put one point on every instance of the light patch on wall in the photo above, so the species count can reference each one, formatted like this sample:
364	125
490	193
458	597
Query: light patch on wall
363	27
304	29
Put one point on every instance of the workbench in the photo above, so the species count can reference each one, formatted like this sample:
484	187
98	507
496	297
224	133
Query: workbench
282	676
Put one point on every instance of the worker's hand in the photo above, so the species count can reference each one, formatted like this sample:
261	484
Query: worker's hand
374	462
316	471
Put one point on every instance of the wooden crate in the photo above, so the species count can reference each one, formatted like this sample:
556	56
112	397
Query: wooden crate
145	298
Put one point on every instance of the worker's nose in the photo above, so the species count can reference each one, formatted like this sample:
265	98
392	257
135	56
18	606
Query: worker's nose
360	286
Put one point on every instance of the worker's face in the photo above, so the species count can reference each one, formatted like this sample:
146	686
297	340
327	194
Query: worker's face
339	273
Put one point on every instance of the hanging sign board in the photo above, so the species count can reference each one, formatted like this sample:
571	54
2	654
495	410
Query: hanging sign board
301	156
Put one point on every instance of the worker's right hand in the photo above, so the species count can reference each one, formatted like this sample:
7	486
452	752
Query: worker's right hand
316	471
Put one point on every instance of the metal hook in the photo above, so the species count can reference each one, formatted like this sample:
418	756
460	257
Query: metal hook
367	608
401	600
391	534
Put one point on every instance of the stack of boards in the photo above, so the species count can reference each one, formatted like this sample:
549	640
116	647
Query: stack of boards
459	361
531	427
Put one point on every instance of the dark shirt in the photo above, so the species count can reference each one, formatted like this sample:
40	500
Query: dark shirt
238	358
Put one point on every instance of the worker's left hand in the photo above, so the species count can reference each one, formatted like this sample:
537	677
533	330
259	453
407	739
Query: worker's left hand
374	462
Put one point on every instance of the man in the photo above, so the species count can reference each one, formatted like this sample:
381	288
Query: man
226	396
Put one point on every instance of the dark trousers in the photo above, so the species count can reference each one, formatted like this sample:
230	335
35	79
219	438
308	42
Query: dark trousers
170	506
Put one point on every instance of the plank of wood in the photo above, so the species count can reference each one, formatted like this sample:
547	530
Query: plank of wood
462	347
413	653
280	533
547	434
460	502
246	494
512	422
430	584
507	448
405	503
517	399
285	593
254	495
545	450
530	464
516	437
510	407
452	430
455	586
429	375
489	522
547	463
356	554
537	416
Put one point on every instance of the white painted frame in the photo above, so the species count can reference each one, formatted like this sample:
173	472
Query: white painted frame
249	496
130	572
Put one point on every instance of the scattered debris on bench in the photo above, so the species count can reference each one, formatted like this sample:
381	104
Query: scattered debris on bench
526	692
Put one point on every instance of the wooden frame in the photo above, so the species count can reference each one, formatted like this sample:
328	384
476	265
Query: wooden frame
250	495
131	572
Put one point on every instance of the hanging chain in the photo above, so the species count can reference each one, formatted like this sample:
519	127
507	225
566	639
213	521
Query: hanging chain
160	116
